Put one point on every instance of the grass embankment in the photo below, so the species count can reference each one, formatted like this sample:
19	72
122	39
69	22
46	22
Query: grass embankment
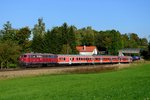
126	84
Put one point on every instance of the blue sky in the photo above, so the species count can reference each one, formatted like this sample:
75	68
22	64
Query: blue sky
125	16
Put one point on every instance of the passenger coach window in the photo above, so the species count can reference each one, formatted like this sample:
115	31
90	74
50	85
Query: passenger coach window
34	56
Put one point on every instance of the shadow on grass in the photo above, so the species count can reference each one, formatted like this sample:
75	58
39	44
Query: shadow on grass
86	70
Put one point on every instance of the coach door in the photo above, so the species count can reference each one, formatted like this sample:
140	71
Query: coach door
70	60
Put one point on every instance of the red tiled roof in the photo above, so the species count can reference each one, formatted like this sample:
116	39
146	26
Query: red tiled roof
86	48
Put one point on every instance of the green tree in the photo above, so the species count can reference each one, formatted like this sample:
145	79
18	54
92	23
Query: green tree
65	39
38	36
8	33
134	40
53	41
99	41
19	36
149	47
109	40
125	41
66	49
78	38
64	33
116	42
88	36
68	39
9	52
143	43
72	40
22	38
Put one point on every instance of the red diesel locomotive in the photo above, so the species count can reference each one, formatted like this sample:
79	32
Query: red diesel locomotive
46	59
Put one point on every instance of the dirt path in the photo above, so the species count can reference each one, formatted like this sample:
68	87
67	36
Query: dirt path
59	70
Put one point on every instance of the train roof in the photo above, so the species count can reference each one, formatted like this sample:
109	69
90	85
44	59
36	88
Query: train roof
37	54
76	55
85	55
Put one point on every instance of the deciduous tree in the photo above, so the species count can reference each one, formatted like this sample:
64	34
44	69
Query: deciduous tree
9	53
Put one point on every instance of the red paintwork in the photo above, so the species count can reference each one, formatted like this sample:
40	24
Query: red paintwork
37	58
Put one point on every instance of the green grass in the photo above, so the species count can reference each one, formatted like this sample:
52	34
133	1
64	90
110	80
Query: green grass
126	84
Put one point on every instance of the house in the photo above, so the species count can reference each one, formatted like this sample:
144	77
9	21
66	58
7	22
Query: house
87	50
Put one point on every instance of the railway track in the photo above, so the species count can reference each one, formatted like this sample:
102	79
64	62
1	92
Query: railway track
19	72
55	67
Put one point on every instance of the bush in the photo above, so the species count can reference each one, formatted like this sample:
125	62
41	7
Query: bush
145	54
12	65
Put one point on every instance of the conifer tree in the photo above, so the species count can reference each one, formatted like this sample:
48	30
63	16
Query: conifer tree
38	36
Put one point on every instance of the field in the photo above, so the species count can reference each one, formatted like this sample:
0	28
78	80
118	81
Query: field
125	84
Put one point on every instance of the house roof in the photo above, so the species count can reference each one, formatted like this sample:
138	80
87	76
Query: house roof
131	50
86	48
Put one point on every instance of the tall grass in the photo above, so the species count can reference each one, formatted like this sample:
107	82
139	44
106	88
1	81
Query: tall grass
126	84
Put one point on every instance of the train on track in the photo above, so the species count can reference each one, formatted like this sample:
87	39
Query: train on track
46	59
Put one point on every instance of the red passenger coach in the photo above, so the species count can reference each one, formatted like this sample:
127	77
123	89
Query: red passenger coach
74	59
125	59
115	59
106	59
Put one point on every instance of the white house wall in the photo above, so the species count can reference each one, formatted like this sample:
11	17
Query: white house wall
95	51
89	53
86	53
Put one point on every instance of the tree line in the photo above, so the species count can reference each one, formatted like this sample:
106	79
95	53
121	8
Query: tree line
63	40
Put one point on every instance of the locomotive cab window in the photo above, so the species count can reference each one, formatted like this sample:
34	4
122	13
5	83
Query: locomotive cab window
24	56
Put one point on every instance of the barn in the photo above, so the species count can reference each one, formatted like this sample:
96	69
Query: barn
129	51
